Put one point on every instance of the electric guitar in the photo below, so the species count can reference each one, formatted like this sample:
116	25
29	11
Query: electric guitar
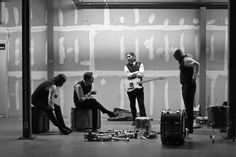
130	85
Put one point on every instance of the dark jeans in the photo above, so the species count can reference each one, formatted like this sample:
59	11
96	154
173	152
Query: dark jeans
139	95
92	104
188	93
57	118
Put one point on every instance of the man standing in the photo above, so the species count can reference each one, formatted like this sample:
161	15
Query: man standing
135	71
83	98
43	98
189	69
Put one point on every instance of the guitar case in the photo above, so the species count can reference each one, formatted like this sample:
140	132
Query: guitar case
173	127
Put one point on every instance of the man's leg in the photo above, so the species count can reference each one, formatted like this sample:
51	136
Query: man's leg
54	120
132	97
60	117
94	117
52	117
93	103
90	104
140	98
188	92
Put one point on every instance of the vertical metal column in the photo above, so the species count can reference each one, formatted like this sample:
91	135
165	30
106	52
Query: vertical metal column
202	79
50	38
232	76
27	122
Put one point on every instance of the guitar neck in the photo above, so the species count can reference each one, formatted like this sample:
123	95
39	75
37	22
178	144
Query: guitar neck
158	78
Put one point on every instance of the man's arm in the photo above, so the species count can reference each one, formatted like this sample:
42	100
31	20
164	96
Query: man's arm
81	95
141	71
132	75
189	62
51	96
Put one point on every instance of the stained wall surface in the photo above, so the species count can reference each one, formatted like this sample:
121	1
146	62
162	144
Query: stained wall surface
97	39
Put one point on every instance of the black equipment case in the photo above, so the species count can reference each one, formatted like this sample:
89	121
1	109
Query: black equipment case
218	116
81	119
173	127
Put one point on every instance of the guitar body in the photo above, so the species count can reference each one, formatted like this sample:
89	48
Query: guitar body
130	85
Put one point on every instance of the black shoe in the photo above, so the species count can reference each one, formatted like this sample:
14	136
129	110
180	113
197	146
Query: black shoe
94	130
64	131
190	131
68	129
133	123
223	130
112	114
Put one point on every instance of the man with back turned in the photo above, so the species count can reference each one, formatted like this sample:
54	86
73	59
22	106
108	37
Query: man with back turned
189	69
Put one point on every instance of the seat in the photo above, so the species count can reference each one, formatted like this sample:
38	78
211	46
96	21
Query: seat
40	120
81	119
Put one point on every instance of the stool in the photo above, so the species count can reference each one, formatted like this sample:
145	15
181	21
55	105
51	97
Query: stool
81	119
142	122
40	120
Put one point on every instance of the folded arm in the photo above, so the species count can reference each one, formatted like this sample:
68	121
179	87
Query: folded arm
136	74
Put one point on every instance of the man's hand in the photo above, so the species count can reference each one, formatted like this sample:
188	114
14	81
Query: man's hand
138	76
93	92
195	77
51	104
89	95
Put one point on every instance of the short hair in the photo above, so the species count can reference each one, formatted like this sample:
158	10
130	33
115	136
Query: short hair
60	79
88	75
178	53
130	53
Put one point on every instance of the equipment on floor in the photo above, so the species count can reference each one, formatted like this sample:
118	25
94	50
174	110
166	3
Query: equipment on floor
173	127
97	137
142	122
111	135
201	120
149	134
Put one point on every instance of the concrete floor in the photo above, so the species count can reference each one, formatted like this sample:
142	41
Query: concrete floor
52	144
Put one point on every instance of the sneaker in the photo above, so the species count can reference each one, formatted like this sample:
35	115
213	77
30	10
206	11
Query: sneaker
133	123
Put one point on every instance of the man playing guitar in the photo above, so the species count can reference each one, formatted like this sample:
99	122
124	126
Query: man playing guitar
135	70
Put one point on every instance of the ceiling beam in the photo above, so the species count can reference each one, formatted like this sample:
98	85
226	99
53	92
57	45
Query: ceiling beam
150	5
